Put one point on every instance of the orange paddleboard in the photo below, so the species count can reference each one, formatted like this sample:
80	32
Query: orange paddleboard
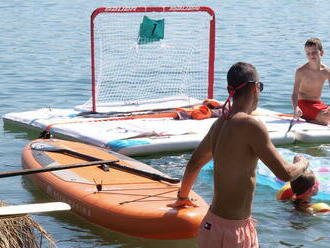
121	200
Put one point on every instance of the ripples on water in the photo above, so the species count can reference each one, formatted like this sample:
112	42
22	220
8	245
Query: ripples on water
44	61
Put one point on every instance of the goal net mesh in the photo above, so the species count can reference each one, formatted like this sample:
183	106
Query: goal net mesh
146	58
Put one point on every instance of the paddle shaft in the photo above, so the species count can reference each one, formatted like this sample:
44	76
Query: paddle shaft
143	173
53	168
291	124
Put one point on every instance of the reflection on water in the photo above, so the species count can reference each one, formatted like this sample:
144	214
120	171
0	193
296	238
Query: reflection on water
298	225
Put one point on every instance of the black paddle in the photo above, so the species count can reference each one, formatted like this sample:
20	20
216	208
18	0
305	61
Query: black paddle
41	146
291	124
54	168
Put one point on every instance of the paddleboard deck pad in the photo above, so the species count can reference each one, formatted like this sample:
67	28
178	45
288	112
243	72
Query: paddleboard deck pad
119	200
153	135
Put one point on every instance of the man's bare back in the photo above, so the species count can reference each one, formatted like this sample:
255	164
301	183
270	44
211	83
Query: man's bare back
234	175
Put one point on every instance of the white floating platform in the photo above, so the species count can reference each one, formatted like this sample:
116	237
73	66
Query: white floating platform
147	136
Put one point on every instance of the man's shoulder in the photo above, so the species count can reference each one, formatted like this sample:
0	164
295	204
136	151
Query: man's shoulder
250	121
326	68
252	128
302	68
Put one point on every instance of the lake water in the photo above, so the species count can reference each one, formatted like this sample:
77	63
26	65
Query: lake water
45	61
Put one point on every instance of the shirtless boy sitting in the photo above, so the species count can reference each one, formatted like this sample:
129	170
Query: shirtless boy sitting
309	81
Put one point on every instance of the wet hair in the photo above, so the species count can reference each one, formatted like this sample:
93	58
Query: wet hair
314	42
240	73
303	183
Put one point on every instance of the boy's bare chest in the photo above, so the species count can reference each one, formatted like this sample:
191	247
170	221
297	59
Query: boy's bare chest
314	79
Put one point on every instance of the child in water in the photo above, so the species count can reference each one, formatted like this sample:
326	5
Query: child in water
300	192
303	188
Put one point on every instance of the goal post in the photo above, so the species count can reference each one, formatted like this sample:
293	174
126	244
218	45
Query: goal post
141	56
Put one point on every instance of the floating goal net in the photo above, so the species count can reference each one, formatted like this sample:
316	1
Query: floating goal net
149	57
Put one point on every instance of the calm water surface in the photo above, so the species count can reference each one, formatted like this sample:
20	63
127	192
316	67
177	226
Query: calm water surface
44	61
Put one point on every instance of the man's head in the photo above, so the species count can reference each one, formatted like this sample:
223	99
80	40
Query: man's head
305	185
243	78
313	49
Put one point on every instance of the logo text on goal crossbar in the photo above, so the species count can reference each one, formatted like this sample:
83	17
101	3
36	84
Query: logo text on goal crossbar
184	8
120	9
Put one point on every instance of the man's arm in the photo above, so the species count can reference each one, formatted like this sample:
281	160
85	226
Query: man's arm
294	97
199	158
267	153
201	155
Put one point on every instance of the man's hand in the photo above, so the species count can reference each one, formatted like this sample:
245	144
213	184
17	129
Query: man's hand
297	113
302	160
183	203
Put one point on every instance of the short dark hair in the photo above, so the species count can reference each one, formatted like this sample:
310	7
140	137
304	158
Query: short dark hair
303	183
240	73
314	42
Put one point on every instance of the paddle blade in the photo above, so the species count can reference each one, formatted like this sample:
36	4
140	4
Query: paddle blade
46	147
33	208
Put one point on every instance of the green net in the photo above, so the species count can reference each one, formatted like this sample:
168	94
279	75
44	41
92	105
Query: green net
151	30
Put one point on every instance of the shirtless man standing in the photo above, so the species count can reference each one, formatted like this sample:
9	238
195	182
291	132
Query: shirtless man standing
309	81
235	143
